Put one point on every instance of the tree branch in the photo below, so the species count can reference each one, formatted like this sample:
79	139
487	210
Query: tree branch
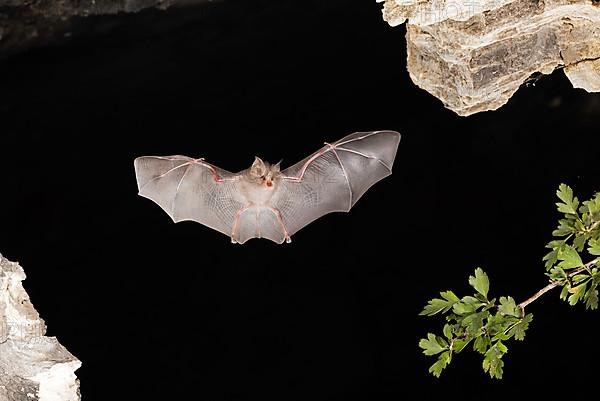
538	294
554	284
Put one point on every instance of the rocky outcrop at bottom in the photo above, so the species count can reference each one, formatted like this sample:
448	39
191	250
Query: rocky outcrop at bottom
474	56
32	366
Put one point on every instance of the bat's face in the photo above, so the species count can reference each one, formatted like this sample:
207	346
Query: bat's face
264	173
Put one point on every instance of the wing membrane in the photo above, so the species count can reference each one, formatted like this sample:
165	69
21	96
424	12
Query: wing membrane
190	189
335	177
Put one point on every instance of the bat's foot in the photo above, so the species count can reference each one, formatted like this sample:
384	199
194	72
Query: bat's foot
288	239
233	241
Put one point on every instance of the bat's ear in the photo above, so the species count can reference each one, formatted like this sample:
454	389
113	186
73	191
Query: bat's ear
258	162
258	167
277	167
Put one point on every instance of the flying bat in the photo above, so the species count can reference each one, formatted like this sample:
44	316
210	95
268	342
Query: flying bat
264	201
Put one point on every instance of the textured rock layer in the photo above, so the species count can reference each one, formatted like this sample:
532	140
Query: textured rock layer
26	23
474	55
32	366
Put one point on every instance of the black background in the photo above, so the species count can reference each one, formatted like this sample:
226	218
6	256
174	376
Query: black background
163	311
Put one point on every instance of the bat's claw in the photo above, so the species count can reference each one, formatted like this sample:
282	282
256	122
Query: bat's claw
233	240
288	239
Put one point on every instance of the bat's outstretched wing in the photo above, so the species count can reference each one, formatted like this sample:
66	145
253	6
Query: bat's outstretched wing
335	177
190	189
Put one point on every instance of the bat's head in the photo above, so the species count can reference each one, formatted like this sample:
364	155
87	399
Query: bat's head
264	173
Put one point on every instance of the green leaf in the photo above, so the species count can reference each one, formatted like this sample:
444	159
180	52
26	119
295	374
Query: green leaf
481	344
564	293
498	324
550	259
591	298
566	208
565	227
433	345
579	242
492	361
472	301
449	296
458	345
508	307
592	207
480	282
569	258
448	331
443	361
578	278
434	306
565	194
577	293
501	336
555	244
518	330
558	274
595	276
474	321
462	308
467	305
594	247
438	305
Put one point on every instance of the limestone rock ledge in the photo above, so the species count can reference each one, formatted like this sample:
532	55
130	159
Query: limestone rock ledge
32	366
475	54
29	23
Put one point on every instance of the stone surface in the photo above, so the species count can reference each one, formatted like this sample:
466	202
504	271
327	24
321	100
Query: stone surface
585	75
27	23
474	55
32	366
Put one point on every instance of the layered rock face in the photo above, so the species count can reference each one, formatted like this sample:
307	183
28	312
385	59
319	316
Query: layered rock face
32	366
26	23
474	54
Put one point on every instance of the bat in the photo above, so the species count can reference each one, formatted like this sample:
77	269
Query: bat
264	201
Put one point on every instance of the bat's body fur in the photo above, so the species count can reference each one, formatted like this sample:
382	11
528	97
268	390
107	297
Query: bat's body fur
263	201
258	186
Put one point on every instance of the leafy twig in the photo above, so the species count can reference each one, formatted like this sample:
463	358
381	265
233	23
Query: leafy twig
488	324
